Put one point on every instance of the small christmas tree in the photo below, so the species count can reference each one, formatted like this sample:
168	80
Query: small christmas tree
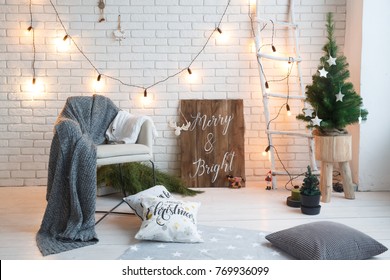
334	102
310	184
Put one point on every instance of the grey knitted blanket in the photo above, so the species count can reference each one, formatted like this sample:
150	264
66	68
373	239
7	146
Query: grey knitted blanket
69	219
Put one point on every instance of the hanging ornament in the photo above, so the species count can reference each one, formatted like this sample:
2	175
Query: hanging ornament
331	61
323	72
308	112
119	34
101	6
339	96
316	121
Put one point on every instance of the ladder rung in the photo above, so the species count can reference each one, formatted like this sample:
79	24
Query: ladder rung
280	58
281	23
283	95
292	133
276	172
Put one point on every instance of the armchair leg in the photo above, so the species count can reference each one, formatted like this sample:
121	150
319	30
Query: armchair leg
124	194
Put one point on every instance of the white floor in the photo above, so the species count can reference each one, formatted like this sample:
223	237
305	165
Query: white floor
21	211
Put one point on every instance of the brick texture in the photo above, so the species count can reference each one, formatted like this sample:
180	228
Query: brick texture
161	38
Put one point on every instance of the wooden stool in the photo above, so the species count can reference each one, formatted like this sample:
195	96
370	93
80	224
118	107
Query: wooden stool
330	150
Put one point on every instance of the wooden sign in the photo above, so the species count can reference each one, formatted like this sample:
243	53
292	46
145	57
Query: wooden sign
213	146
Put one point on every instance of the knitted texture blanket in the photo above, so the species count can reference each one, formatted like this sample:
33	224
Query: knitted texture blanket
69	219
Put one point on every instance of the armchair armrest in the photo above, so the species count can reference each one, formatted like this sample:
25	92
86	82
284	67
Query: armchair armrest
145	136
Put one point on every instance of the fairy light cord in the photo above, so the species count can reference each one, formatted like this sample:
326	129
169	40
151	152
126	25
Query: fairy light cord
31	29
291	62
145	88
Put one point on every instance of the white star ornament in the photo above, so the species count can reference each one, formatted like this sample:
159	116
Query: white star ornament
331	61
339	96
316	121
323	72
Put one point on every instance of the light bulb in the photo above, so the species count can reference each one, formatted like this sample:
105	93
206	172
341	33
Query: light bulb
288	110
189	70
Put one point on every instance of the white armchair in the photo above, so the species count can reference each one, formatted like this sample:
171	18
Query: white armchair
140	151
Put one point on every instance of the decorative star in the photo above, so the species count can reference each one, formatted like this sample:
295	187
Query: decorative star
248	257
161	246
231	247
177	254
222	229
331	61
214	239
339	96
308	112
323	72
316	121
204	251
254	245
148	258
238	236
134	248
274	253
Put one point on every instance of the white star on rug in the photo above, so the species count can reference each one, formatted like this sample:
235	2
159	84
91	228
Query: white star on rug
308	112
274	253
230	247
238	236
323	72
148	258
214	239
134	248
331	60
204	251
222	229
177	254
262	233
248	257
161	246
316	121
339	96
254	245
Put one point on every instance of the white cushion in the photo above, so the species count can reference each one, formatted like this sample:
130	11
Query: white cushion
114	150
169	220
134	201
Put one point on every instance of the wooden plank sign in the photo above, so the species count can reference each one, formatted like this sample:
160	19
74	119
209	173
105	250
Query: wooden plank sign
213	146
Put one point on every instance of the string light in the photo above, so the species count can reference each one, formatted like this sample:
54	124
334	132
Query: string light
267	89
189	71
31	29
217	29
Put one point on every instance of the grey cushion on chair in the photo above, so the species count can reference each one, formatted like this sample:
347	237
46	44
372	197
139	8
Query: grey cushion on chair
326	241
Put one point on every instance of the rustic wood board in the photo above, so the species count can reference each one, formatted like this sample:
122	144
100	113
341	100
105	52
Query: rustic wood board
213	147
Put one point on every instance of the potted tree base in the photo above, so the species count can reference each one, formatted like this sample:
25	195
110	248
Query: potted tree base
310	194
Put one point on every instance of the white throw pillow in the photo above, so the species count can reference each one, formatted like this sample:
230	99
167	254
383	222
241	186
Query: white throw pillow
134	201
169	220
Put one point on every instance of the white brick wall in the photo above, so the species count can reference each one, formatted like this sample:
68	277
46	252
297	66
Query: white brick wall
163	36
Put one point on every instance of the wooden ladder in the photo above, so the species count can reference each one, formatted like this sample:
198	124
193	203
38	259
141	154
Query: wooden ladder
268	96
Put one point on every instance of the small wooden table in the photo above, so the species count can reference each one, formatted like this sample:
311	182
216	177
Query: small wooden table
330	150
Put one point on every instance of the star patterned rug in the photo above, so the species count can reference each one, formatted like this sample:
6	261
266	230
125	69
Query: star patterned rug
220	243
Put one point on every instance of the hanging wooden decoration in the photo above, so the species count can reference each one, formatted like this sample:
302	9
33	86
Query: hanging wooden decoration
101	6
119	34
